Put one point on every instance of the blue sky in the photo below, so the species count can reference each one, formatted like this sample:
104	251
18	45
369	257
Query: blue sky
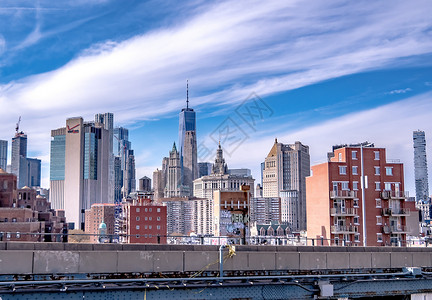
328	71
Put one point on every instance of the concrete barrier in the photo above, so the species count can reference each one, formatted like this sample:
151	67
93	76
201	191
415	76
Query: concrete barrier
55	262
338	260
360	260
135	261
98	262
201	260
16	262
168	261
313	260
401	259
77	258
381	260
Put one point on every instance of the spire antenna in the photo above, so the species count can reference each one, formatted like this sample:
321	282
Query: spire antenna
187	94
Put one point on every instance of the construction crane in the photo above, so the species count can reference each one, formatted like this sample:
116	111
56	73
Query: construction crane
17	132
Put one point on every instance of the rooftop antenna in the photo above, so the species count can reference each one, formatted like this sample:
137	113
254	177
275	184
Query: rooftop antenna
187	94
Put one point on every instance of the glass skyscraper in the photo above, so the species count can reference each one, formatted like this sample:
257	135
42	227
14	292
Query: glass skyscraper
3	154
420	167
187	122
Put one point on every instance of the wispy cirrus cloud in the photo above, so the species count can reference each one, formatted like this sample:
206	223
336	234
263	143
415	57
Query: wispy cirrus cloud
265	47
389	126
400	91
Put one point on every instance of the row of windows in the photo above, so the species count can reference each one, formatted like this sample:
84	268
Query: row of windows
148	227
343	170
148	218
147	209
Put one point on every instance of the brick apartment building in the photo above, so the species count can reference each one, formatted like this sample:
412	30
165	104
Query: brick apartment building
144	222
24	215
336	198
97	214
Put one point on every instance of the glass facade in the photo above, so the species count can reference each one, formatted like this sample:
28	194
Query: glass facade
3	154
187	122
90	156
57	158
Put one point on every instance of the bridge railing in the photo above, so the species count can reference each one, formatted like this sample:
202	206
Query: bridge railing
210	240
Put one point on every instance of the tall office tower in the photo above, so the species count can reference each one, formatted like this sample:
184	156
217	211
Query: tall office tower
57	167
3	154
80	168
107	119
124	177
27	170
421	174
145	184
158	189
357	198
129	183
174	187
188	144
19	150
285	170
204	169
190	164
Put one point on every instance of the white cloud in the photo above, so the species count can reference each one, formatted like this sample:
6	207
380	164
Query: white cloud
266	47
400	91
390	126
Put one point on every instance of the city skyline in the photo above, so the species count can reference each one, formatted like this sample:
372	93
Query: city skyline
324	71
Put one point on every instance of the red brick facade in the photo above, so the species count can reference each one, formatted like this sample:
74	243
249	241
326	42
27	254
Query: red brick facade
334	199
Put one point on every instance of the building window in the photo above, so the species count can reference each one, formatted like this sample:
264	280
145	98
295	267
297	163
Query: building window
158	210
389	171
376	155
158	227
379	237
145	227
18	235
14	219
150	209
354	154
377	170
356	203
387	186
158	218
357	238
137	210
356	220
145	209
379	220
137	227
137	236
342	170
355	170
355	185
145	218
150	218
340	156
150	227
378	203
377	186
345	185
137	218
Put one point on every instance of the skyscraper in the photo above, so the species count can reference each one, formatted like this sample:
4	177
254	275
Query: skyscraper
285	171
27	170
107	120
174	187
19	150
421	174
3	154
188	144
124	173
80	167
